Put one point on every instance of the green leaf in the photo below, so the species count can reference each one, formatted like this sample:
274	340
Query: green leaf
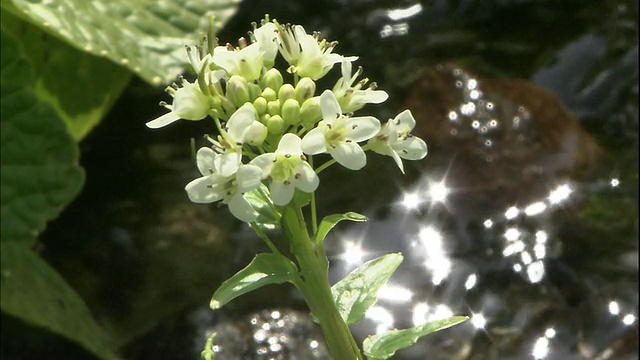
146	36
79	86
331	220
34	292
383	346
263	270
357	292
268	215
39	167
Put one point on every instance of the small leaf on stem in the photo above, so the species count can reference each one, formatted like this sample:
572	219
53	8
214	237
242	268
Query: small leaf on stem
331	220
384	345
263	270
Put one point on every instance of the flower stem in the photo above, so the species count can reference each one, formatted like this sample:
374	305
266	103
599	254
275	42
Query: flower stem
317	291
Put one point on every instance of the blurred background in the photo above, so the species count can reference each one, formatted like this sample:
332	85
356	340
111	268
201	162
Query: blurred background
524	214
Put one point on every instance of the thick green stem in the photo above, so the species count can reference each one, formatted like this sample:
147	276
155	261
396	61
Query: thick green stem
317	291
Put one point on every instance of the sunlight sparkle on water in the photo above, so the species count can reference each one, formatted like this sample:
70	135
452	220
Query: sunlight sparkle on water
419	313
614	308
560	194
541	348
436	258
438	192
512	234
478	321
629	319
353	253
395	293
535	271
550	333
381	316
411	200
536	208
614	182
511	213
471	281
399	14
440	312
488	223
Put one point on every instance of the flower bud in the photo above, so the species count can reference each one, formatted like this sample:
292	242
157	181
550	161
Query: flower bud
254	91
305	89
237	90
310	112
286	92
273	107
290	111
269	94
276	125
256	133
264	118
260	104
227	107
272	78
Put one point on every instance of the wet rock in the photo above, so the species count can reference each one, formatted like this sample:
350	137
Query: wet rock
497	142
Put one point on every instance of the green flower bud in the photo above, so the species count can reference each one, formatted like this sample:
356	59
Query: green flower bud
269	94
273	107
227	107
310	112
276	125
290	111
237	90
305	89
272	78
254	91
286	92
264	118
260	104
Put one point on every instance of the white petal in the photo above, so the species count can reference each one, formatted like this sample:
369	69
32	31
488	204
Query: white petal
205	189
163	120
227	164
314	142
349	155
239	121
362	97
411	148
281	193
404	122
265	162
361	128
290	144
266	36
248	177
330	107
205	160
190	103
394	155
241	209
307	180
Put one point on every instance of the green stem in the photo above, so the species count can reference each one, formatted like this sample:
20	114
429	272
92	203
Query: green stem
325	165
317	291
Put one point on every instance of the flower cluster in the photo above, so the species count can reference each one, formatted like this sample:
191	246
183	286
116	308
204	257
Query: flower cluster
267	127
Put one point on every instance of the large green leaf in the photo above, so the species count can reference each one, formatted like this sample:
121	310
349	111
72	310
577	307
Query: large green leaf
358	291
39	166
384	345
146	36
80	86
263	270
34	292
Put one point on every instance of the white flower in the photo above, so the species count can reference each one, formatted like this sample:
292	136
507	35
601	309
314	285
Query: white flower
288	40
246	62
338	135
395	140
189	103
213	186
350	97
266	36
316	58
287	169
241	128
